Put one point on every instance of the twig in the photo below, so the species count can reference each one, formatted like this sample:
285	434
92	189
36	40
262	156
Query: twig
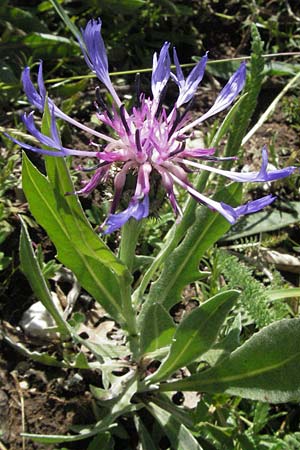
20	392
2	446
271	108
291	12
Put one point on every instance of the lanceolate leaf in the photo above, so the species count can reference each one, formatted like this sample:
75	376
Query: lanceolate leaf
196	333
181	267
78	247
157	329
253	87
265	368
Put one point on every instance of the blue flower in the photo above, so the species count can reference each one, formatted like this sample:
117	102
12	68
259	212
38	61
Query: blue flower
147	139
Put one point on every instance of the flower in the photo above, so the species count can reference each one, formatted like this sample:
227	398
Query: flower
149	139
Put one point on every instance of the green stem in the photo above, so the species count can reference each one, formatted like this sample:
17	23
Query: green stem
131	323
175	235
129	237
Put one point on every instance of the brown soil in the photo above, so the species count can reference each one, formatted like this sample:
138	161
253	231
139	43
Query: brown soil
39	399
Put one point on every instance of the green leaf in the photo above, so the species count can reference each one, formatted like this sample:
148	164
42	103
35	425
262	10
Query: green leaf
221	434
224	347
278	294
261	417
79	248
43	358
4	261
157	329
31	269
265	368
57	438
21	18
280	68
222	69
102	441
144	435
180	436
183	415
182	266
64	16
196	333
66	89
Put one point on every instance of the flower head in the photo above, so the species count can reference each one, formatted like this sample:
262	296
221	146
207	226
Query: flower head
148	140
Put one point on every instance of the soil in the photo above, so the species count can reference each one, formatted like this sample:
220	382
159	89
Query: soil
39	399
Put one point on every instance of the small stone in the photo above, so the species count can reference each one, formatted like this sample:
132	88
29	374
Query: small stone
24	385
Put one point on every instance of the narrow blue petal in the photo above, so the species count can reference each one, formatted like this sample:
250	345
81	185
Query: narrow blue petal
271	175
41	83
42	138
94	50
33	96
188	87
228	93
34	149
160	71
93	183
179	78
249	177
54	130
137	210
248	208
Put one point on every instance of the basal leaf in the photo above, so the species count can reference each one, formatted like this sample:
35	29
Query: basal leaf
196	333
265	368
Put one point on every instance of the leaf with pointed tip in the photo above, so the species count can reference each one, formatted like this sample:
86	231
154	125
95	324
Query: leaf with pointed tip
78	247
196	333
265	368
